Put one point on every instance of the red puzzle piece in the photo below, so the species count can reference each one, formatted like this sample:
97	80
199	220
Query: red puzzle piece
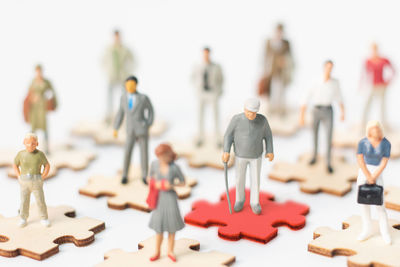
245	224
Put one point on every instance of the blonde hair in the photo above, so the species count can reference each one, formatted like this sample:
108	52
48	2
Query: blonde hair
372	124
31	135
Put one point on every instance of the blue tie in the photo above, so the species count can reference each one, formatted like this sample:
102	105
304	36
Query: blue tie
130	103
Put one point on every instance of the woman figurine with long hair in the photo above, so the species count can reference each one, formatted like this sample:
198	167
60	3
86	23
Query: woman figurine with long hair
372	156
166	217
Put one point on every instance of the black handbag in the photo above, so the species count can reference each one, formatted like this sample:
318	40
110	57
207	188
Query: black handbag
370	194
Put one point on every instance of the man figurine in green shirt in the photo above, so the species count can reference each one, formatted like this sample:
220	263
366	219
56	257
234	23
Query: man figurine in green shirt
28	166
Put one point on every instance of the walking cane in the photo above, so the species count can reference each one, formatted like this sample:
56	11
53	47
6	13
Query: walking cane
227	187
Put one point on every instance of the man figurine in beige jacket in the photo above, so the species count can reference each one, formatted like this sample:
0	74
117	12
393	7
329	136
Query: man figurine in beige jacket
28	166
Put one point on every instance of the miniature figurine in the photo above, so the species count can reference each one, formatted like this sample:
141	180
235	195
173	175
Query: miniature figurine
372	156
322	95
118	63
278	72
166	217
246	132
139	117
40	99
28	167
208	79
376	82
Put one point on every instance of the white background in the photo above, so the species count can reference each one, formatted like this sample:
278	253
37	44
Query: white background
68	38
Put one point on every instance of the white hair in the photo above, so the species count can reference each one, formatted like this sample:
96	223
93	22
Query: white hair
31	135
372	124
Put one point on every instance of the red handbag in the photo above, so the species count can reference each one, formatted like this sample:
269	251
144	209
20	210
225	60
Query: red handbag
152	197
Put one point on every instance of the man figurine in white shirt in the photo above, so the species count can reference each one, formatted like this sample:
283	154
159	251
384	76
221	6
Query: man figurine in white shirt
322	95
207	78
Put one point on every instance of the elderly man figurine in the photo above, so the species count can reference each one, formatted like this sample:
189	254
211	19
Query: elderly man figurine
139	117
246	132
207	78
28	166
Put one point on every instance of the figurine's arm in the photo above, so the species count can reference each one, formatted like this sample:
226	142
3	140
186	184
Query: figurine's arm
179	175
46	170
269	147
380	169
150	112
220	79
119	117
303	106
16	170
228	140
363	167
392	72
339	99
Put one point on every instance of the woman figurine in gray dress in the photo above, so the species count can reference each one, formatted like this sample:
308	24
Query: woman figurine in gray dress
372	156
166	217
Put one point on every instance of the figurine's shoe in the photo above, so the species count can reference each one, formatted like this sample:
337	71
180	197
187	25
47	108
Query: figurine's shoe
330	169
144	179
45	223
124	180
365	235
154	258
256	208
238	206
313	161
172	257
386	237
22	223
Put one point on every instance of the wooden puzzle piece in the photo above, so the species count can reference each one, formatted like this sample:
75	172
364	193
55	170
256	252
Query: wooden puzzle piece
372	252
315	178
245	224
392	197
61	157
132	195
207	155
39	242
353	135
102	132
186	251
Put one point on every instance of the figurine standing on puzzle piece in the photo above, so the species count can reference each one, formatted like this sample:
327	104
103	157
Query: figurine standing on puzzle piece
28	166
166	217
246	132
278	72
118	63
372	156
322	95
208	79
40	99
376	82
139	117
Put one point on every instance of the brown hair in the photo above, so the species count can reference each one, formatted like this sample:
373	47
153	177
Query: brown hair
165	149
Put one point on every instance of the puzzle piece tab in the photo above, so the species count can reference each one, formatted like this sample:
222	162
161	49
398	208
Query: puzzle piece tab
207	155
371	252
186	251
315	178
61	157
39	242
132	195
245	224
102	133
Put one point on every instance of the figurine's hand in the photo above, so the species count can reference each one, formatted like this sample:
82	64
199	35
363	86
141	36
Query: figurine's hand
342	117
270	156
225	157
370	179
115	133
167	186
43	176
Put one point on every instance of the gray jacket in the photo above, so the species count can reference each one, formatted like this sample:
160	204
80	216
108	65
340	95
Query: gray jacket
247	136
139	119
215	79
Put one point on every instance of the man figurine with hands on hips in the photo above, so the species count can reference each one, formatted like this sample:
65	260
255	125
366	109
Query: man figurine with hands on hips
28	166
246	132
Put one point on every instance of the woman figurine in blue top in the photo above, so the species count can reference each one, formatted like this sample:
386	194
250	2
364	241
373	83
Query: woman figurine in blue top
372	157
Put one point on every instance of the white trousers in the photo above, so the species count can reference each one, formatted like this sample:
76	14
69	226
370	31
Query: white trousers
366	209
277	101
212	100
255	168
377	92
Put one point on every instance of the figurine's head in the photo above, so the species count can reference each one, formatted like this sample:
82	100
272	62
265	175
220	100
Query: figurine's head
279	31
117	37
374	49
131	84
251	107
206	54
165	153
31	142
39	71
374	130
328	66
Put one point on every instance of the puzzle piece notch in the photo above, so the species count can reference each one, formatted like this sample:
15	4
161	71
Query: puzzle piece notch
186	250
314	179
39	242
245	224
371	252
132	195
207	155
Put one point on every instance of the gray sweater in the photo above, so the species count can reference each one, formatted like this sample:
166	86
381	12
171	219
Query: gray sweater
247	136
